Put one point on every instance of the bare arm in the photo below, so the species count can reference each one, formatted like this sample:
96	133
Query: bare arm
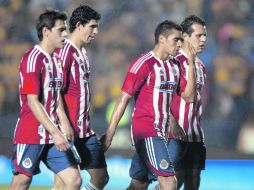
42	116
189	92
64	121
117	114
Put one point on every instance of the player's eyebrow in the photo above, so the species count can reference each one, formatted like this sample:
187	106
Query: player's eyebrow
94	25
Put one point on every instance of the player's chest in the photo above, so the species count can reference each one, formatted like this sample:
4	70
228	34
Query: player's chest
81	66
52	74
164	77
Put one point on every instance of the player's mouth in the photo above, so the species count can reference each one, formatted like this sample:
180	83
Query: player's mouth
91	37
202	46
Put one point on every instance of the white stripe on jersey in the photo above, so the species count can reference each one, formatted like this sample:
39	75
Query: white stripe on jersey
164	104
189	121
181	112
156	95
150	152
20	152
140	62
46	92
196	129
132	138
65	53
21	79
84	89
32	60
60	53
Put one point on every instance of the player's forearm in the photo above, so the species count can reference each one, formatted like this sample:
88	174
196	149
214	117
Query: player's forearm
172	122
189	93
62	114
118	112
40	114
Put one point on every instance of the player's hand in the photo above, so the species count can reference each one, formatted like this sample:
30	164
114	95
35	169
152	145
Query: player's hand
191	53
60	141
106	141
68	132
178	132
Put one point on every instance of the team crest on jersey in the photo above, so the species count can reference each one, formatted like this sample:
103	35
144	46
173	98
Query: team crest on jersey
161	72
27	163
164	164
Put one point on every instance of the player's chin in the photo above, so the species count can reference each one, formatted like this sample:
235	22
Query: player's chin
61	45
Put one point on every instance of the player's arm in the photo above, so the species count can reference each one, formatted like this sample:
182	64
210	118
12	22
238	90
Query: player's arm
64	121
189	92
117	114
42	116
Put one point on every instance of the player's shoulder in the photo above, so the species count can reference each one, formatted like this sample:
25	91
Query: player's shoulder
200	62
66	51
33	54
145	59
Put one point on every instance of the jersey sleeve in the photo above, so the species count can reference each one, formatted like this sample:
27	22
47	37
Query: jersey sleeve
135	79
30	76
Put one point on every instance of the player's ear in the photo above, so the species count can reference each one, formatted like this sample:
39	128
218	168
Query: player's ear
78	25
185	35
45	32
161	39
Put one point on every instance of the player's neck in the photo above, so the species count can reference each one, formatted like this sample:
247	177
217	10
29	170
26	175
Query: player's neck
184	47
75	39
45	46
159	53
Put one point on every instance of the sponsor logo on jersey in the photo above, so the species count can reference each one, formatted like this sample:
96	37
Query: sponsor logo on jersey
164	164
27	163
55	83
167	86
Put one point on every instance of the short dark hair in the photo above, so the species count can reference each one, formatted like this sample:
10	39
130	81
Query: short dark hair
48	19
82	14
164	28
189	21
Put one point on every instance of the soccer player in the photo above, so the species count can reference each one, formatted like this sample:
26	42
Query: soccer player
37	135
188	150
151	80
83	27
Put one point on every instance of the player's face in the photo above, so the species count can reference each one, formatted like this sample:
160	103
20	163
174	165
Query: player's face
173	42
198	37
89	31
57	34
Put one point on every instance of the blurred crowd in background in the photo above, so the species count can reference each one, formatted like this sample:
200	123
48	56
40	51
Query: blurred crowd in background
125	31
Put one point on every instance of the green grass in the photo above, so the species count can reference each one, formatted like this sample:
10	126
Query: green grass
4	187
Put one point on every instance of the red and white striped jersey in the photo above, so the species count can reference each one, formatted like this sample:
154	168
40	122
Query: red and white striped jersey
152	82
77	92
188	115
40	74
